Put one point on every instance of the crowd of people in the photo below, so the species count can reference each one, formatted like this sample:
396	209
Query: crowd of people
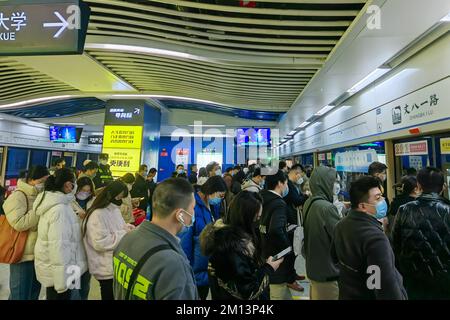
207	233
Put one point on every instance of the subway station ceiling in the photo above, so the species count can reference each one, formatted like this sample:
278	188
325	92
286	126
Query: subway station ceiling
248	55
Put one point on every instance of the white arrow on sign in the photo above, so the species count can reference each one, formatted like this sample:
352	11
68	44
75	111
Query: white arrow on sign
137	110
63	24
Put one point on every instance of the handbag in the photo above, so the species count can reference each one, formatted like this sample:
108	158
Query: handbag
12	242
298	235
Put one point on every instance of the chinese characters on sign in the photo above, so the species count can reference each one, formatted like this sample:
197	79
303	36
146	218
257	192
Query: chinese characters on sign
95	140
411	148
9	25
415	110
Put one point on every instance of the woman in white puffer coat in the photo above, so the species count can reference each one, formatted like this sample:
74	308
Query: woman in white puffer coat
59	253
103	228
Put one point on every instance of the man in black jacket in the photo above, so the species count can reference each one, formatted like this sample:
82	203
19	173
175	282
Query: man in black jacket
193	174
421	239
294	200
362	250
140	187
274	236
104	174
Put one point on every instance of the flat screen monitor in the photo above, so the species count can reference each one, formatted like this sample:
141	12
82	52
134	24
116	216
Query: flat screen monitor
253	137
65	134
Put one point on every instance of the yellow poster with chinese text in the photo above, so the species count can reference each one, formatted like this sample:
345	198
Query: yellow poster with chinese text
122	137
445	146
123	160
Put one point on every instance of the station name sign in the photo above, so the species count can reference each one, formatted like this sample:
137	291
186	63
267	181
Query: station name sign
43	27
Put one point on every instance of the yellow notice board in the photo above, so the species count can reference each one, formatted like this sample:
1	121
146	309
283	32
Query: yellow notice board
123	145
445	146
123	160
122	137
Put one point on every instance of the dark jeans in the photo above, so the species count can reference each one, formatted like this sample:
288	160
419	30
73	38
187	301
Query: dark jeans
85	286
53	295
22	281
203	292
106	289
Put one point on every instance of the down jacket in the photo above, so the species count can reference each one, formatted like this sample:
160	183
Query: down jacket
104	230
421	242
59	248
16	213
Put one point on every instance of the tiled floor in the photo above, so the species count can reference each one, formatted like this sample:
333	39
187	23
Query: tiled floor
94	293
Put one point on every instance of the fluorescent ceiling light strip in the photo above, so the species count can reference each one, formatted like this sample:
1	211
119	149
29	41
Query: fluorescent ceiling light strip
324	110
374	75
292	133
303	125
35	101
139	49
206	125
446	18
69	124
196	135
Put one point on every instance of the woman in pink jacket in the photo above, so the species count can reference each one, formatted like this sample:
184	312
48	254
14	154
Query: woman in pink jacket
103	228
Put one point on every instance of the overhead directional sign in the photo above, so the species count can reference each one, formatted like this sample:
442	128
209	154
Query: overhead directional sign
43	27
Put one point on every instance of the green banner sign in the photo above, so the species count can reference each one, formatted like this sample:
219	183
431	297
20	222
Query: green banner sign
39	27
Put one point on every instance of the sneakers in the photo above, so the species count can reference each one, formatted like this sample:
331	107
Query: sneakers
295	286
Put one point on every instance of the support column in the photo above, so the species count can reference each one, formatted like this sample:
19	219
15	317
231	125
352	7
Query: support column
390	162
131	135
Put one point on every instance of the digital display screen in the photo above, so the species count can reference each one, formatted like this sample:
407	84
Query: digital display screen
253	137
65	134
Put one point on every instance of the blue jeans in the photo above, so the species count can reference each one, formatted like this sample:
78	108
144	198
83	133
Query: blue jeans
22	281
85	286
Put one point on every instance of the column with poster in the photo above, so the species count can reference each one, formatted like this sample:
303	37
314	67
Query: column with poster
182	157
124	137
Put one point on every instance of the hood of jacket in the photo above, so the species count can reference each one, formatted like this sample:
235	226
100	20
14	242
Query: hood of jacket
250	183
322	182
47	200
25	187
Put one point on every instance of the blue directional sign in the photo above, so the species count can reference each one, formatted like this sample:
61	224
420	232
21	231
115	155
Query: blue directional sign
43	27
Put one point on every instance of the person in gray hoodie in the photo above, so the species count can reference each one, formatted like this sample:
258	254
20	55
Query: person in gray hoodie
320	217
149	263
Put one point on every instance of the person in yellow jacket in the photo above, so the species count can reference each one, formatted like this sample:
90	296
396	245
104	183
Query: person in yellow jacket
23	284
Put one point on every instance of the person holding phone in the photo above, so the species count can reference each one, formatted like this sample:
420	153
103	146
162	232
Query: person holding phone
273	229
236	270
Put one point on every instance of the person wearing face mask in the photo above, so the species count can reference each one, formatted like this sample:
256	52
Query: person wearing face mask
342	208
256	183
420	238
104	174
206	200
213	169
19	213
90	169
274	235
319	218
103	228
59	245
236	269
360	247
152	255
84	197
140	187
410	192
128	203
295	199
180	169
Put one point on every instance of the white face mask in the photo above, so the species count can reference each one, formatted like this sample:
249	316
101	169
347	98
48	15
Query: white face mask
74	189
39	187
83	195
104	162
336	188
300	181
218	172
129	186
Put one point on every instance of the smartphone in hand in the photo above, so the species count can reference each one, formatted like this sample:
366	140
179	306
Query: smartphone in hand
281	254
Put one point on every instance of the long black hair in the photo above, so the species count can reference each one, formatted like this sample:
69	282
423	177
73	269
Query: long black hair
56	182
243	210
85	181
104	198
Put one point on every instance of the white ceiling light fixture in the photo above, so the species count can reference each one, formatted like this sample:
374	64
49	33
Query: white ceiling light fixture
206	125
371	77
446	18
138	49
303	125
35	101
69	124
325	110
292	133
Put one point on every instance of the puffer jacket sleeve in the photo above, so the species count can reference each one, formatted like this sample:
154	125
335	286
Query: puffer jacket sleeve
15	208
61	246
102	238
